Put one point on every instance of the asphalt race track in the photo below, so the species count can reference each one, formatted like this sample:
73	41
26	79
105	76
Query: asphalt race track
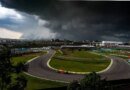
39	68
119	69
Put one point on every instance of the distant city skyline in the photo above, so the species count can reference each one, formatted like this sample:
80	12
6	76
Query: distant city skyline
72	20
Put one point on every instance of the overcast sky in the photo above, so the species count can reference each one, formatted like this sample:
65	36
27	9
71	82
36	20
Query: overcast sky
74	20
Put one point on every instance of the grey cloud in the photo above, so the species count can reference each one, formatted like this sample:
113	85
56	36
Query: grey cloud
79	20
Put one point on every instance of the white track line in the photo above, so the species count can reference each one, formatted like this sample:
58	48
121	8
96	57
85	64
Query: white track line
41	77
45	78
72	72
31	59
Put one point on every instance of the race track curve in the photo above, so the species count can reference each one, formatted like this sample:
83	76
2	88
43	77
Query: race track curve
119	69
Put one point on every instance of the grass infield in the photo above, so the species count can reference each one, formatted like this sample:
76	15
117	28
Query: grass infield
79	61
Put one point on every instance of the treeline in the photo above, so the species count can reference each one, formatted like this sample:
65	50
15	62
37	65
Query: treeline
10	76
93	81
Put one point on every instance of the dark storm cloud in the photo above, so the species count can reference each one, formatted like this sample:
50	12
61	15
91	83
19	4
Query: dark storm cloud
80	20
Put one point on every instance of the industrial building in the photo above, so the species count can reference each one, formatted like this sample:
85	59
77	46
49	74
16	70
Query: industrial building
111	43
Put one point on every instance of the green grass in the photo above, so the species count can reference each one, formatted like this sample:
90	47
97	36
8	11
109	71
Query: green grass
79	61
122	54
86	66
81	54
25	58
38	84
35	83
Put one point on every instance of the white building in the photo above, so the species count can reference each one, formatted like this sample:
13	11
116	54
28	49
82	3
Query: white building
77	46
110	43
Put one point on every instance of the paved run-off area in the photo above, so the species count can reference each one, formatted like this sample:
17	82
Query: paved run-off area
119	69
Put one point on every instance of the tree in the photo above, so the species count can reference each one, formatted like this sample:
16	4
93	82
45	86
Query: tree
6	71
92	81
74	85
5	67
19	67
19	84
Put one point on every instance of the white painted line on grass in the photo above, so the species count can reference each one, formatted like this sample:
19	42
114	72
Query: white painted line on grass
41	77
48	64
31	59
107	67
45	78
119	55
72	72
